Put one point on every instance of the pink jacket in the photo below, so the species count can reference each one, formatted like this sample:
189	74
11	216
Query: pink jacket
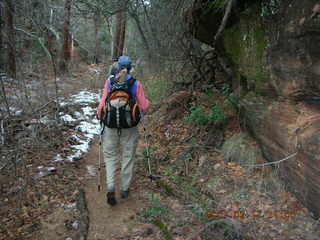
142	101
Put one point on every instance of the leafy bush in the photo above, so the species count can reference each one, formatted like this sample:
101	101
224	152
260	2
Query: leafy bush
217	114
198	115
208	90
214	115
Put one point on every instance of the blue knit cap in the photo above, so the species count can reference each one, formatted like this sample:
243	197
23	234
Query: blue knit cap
124	62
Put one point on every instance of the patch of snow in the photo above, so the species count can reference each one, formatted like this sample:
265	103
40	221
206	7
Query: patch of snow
95	121
89	135
67	118
44	172
68	206
51	169
43	120
62	104
76	224
40	175
79	116
81	97
13	110
88	111
74	156
18	113
85	97
95	69
84	146
58	158
88	127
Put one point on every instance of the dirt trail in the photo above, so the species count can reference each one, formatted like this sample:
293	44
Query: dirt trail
107	222
209	187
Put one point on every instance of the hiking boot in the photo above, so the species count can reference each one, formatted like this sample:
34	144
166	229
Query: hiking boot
125	194
111	198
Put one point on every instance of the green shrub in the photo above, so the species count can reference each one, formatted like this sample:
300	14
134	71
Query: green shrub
198	115
208	90
215	115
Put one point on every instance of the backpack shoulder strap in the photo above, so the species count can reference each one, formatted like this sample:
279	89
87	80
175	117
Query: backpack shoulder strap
134	87
131	82
110	84
111	80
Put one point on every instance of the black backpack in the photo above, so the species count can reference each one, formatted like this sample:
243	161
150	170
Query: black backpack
121	108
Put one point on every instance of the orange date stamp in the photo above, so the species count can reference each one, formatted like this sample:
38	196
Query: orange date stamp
243	214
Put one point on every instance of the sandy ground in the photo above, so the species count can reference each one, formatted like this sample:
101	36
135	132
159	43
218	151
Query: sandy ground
106	222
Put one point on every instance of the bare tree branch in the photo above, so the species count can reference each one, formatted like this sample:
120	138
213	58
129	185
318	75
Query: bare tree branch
224	20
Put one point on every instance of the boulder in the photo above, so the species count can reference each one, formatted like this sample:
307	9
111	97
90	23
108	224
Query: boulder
292	126
286	130
285	126
295	58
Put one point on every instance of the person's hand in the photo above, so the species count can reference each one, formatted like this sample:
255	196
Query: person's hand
99	112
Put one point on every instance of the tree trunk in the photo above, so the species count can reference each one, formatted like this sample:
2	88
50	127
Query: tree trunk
1	40
51	42
50	37
120	31
97	25
66	52
9	10
111	30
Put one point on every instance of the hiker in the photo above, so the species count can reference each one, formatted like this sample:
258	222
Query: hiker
114	68
119	109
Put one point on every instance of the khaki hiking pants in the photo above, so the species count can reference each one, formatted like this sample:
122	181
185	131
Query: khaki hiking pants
114	145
